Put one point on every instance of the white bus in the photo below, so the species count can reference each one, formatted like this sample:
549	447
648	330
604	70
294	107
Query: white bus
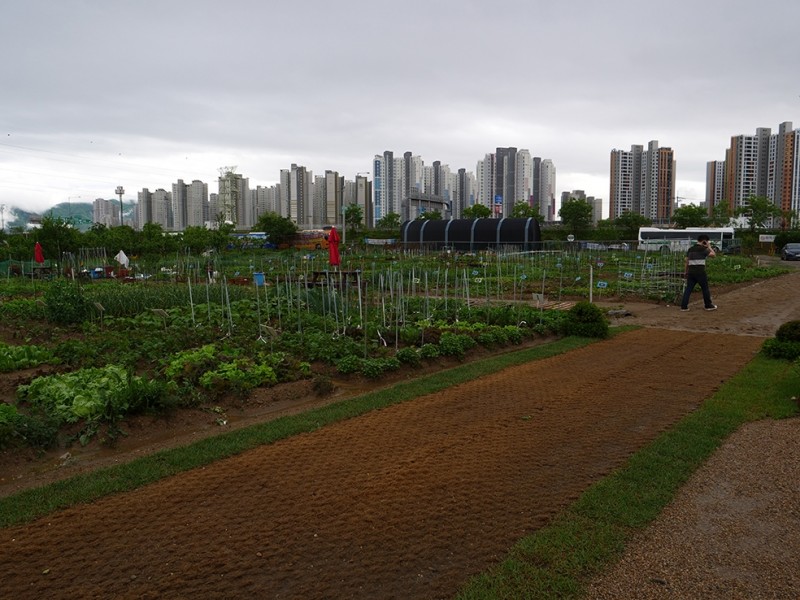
656	239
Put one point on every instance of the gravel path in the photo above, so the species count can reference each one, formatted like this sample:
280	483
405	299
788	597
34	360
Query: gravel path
732	530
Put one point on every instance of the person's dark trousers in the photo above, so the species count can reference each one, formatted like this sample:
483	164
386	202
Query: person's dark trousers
693	279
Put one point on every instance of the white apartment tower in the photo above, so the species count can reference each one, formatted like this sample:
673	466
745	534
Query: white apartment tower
179	205
161	209
484	181
296	195
643	182
105	212
543	187
144	208
197	212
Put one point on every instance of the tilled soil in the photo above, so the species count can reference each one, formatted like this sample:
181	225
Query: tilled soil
405	502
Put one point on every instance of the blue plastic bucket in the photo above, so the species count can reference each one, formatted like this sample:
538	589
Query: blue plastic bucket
258	278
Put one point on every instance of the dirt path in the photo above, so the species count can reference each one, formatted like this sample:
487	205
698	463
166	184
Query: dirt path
406	502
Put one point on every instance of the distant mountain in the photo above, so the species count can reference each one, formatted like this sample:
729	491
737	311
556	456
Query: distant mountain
80	213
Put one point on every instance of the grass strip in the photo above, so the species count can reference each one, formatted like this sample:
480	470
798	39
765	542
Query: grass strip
558	560
30	504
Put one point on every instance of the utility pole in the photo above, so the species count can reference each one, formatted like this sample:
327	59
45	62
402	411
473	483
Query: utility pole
120	191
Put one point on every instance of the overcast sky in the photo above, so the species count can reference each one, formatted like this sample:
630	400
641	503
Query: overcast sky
140	93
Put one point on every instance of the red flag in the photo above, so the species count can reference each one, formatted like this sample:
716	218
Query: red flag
38	254
333	248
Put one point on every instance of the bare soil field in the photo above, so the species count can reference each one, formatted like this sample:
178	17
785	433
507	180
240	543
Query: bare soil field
405	502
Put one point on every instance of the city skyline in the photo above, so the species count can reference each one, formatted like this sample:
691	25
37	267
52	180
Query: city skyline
138	97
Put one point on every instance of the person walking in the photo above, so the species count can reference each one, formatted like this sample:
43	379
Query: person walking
696	272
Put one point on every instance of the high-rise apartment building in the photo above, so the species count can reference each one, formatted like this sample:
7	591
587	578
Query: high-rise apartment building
105	212
144	208
544	192
463	193
505	179
363	199
189	204
265	200
643	182
715	184
296	195
197	212
161	209
595	203
179	205
782	168
524	174
746	168
484	182
387	178
761	165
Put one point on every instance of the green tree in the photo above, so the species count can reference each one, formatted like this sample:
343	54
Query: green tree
476	211
154	241
576	214
388	221
523	210
629	223
353	216
690	215
607	230
789	219
222	235
758	211
57	235
280	229
114	239
430	215
721	214
197	239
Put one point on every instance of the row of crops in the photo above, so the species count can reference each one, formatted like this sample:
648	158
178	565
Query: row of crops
208	331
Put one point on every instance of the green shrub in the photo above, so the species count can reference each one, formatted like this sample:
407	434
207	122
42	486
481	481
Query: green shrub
8	421
76	352
586	320
349	364
238	375
455	344
189	365
514	334
19	429
375	367
22	308
151	395
428	351
781	349
789	332
408	356
66	303
410	336
36	431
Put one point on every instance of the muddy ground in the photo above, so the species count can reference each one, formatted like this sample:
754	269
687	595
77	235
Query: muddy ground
408	501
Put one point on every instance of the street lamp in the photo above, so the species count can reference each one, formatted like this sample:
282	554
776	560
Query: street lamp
120	191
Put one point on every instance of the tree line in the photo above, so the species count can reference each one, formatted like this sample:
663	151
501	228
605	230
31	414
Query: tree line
58	235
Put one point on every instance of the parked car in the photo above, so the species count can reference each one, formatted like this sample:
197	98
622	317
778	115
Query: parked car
791	251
